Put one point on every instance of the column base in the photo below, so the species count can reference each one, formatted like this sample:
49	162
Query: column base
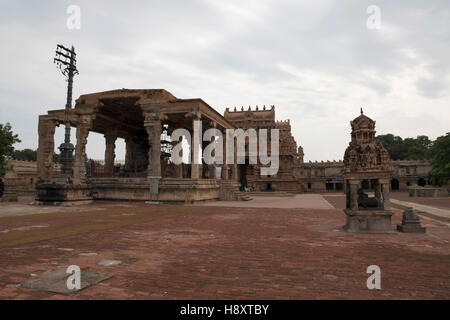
154	184
63	194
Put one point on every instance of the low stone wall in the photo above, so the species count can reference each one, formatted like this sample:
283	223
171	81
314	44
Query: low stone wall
424	192
276	185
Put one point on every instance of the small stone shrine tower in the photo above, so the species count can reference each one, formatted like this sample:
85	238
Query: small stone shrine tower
367	165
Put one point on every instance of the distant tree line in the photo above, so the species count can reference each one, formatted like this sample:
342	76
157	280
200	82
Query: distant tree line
422	148
7	141
407	149
30	155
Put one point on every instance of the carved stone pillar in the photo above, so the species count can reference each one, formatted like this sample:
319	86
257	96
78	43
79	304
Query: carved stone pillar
110	139
224	174
153	126
79	166
195	145
354	185
212	171
235	164
178	172
212	167
377	190
385	192
46	147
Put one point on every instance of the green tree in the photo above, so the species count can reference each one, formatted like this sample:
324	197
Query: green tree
406	149
31	155
440	159
25	154
7	141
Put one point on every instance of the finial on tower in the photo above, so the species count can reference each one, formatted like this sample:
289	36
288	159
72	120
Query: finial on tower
361	111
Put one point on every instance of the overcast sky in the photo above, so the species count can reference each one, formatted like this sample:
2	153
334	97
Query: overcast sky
316	61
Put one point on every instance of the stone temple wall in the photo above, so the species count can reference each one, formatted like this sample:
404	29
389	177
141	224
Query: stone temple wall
319	174
20	182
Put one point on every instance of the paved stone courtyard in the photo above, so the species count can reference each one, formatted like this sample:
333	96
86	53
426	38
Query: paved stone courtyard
214	252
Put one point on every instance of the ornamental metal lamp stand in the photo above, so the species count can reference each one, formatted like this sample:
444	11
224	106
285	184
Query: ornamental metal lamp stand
66	61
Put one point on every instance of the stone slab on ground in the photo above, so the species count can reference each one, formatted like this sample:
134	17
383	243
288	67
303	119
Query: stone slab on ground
109	262
56	281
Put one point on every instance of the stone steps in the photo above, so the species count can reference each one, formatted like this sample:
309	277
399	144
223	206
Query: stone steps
241	196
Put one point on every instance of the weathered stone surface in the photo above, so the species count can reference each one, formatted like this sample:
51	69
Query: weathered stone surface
368	221
56	281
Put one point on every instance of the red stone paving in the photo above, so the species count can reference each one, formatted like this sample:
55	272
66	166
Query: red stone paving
241	253
337	201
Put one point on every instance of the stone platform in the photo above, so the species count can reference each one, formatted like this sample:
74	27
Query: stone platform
63	194
368	221
130	189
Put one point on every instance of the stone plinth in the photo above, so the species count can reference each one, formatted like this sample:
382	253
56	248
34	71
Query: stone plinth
63	194
368	221
169	189
410	222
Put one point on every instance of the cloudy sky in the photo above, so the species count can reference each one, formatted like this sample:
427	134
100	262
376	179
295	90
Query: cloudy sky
316	61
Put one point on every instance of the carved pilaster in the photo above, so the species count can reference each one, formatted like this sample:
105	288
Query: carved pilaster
195	145
153	126
354	185
79	167
235	164
386	197
46	147
224	173
110	141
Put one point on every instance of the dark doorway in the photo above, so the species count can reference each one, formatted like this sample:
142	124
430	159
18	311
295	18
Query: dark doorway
339	186
243	175
365	184
394	184
421	182
329	186
269	187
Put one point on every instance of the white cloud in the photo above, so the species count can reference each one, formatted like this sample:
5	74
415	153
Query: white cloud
317	62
